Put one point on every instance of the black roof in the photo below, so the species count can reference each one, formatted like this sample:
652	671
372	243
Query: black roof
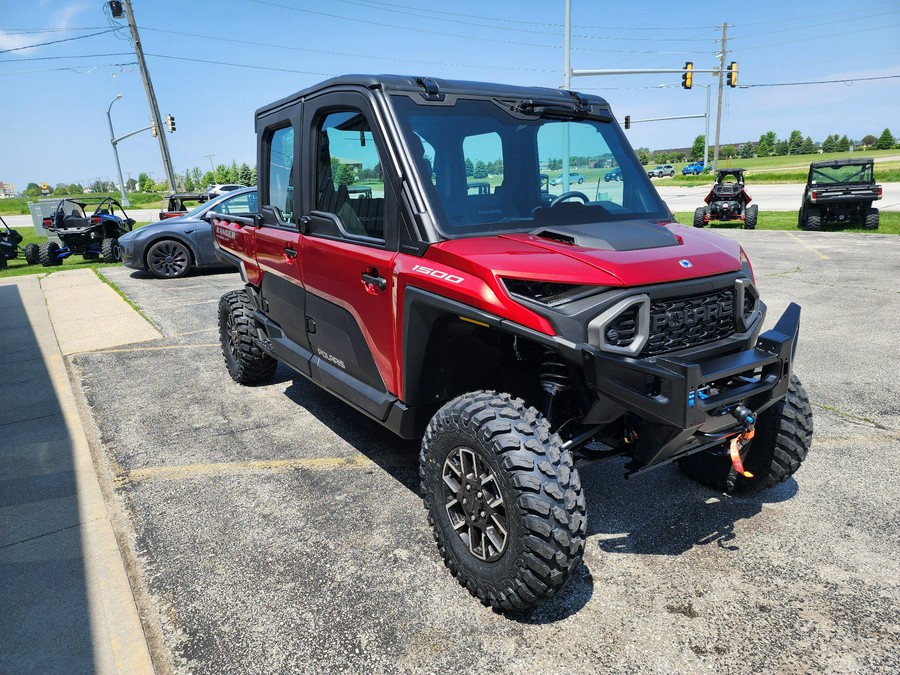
834	163
409	83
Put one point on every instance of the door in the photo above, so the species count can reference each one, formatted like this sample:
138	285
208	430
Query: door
278	246
347	265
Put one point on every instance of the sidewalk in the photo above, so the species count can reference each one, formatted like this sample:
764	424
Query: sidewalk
65	602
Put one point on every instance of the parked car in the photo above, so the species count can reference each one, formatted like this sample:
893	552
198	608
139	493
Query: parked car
615	174
694	168
216	190
574	177
661	170
169	248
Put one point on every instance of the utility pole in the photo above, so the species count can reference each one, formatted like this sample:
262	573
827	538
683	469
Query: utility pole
151	98
209	157
721	90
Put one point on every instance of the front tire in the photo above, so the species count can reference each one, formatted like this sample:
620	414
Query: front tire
699	216
783	436
246	362
503	500
110	250
169	259
32	254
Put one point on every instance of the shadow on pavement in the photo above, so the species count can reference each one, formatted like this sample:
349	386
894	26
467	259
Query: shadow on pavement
44	606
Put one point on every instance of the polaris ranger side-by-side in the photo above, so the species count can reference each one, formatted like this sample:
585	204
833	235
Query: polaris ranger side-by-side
522	331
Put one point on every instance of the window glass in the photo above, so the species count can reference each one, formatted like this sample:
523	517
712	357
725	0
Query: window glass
243	203
491	166
349	179
281	164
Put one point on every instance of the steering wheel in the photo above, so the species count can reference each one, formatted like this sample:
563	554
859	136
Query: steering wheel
569	195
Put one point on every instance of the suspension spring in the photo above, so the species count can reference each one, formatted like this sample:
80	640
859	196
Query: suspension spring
554	378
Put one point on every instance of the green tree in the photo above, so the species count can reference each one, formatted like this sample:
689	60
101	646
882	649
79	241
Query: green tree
470	168
763	149
869	140
830	143
698	147
222	176
808	147
245	174
480	170
144	182
209	178
727	151
885	141
197	178
253	175
746	151
795	142
770	138
843	145
188	181
346	175
782	148
131	185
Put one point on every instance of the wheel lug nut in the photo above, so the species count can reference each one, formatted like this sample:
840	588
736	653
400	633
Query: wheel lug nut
478	495
482	514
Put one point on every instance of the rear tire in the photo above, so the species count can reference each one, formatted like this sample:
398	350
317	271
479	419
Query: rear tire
750	217
169	259
32	254
503	500
112	252
246	362
813	220
783	436
48	254
699	214
871	220
3	263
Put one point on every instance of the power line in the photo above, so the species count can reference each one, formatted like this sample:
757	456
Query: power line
254	43
843	81
91	67
794	28
26	31
53	42
56	58
418	29
237	65
819	37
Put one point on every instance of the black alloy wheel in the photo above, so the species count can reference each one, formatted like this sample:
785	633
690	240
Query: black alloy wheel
169	259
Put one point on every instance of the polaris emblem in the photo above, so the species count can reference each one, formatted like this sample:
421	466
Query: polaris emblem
685	263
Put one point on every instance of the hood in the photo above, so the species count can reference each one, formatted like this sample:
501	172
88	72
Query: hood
631	253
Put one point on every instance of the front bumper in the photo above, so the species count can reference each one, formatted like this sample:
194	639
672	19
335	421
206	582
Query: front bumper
693	398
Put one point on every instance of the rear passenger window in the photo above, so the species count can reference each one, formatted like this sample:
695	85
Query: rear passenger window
349	178
281	165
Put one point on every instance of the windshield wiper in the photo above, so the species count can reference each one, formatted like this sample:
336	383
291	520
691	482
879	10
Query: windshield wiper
578	109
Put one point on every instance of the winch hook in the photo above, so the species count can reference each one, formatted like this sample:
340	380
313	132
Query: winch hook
748	422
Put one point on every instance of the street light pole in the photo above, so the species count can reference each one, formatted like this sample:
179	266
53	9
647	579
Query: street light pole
115	143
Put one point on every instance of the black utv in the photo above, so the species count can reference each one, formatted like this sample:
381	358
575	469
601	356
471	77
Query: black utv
727	200
9	246
840	191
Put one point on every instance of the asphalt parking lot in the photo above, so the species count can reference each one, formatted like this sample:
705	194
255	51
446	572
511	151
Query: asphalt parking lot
274	529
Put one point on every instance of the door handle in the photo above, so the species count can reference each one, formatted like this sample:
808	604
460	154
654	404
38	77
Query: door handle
373	281
289	252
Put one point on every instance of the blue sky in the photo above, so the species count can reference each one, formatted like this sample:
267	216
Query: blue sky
214	63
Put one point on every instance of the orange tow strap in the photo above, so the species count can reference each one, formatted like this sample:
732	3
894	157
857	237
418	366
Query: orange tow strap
735	451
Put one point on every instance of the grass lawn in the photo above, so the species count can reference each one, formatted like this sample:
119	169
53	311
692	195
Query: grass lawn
787	220
19	267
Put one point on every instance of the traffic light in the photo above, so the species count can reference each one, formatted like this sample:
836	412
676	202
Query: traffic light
687	77
115	8
153	129
732	74
627	121
170	123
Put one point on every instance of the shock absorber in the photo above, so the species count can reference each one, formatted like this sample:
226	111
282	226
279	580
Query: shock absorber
554	378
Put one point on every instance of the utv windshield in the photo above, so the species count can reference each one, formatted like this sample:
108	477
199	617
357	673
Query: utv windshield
848	173
489	170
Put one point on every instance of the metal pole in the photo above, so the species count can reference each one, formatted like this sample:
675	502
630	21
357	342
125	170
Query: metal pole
706	135
151	97
113	142
721	89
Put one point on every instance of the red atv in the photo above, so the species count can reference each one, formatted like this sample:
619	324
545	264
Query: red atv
727	200
522	330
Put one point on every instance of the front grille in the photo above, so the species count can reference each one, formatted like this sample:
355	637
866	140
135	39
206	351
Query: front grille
688	322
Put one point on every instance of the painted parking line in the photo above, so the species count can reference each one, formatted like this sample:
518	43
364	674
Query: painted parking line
805	245
229	468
